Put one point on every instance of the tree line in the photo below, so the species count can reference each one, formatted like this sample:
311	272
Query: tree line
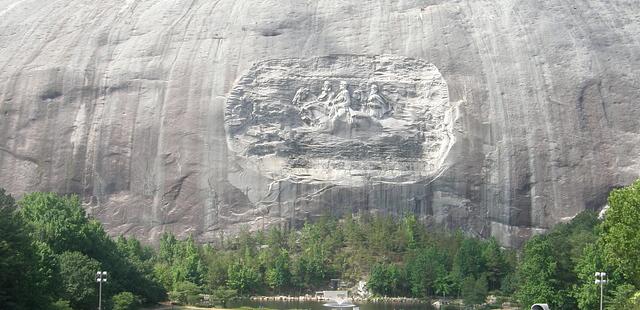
396	257
50	251
559	267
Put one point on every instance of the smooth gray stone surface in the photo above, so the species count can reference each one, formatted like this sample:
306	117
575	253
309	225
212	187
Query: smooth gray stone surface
125	103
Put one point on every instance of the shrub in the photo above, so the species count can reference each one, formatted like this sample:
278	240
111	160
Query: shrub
124	301
61	305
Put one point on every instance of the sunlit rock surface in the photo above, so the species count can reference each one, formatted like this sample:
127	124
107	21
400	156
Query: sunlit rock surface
204	117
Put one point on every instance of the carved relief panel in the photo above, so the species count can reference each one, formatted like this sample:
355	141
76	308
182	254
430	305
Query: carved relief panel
341	118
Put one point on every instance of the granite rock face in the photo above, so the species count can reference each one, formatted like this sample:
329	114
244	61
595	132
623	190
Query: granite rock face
203	117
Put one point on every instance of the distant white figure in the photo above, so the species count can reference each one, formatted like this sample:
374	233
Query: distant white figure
377	106
326	95
300	96
359	98
341	104
306	109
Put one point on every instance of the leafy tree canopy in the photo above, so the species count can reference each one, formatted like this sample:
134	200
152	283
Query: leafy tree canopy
621	232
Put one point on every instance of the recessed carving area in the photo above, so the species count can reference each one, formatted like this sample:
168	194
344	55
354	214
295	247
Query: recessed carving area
344	119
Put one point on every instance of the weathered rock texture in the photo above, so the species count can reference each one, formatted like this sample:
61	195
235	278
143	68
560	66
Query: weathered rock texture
130	103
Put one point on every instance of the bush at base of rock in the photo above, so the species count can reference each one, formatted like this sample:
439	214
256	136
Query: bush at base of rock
125	301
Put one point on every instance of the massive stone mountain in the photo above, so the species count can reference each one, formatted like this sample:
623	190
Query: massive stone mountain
500	117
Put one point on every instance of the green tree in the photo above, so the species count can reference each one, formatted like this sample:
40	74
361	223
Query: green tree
59	224
22	285
621	232
58	221
243	277
380	235
444	285
132	249
536	274
125	301
423	270
277	238
495	263
410	230
633	303
312	265
384	279
474	291
469	259
47	268
223	296
179	261
6	200
189	265
217	263
60	305
509	284
182	291
278	276
622	298
77	279
585	291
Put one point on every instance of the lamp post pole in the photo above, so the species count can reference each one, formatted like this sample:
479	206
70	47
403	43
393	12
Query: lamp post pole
601	278
101	276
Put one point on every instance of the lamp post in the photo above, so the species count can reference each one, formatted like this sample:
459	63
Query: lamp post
101	276
601	278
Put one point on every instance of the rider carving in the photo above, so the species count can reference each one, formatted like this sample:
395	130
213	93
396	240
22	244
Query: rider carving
301	96
326	94
377	106
341	103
